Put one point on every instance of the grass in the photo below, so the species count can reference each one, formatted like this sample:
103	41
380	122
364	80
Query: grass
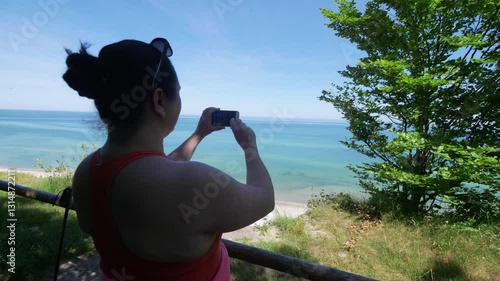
38	230
384	249
336	235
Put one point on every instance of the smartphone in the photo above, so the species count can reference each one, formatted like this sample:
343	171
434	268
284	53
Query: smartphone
222	117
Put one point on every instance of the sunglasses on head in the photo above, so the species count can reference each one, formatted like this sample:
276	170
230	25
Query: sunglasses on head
162	45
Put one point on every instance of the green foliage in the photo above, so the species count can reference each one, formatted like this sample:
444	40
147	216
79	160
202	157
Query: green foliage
290	226
286	225
39	227
345	202
61	175
38	231
262	228
391	248
423	103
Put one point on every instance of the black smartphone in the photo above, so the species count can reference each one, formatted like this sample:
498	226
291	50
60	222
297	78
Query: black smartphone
222	117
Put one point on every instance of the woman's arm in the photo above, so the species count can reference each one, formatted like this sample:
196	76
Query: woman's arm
186	150
212	201
206	198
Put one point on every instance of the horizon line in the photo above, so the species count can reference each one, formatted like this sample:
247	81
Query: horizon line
181	115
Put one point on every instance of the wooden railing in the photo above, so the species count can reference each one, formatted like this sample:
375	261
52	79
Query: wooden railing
293	266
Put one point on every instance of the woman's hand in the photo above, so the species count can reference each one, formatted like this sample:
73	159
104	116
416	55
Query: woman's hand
243	134
205	126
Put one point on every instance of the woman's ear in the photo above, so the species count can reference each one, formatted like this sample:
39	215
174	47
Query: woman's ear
159	102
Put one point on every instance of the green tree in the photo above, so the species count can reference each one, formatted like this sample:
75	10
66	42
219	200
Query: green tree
423	102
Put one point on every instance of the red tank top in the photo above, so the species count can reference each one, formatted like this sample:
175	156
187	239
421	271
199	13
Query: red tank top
117	261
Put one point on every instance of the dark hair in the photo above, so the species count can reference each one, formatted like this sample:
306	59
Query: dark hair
122	69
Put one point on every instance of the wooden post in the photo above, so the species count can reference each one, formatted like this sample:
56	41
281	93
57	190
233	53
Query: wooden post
293	266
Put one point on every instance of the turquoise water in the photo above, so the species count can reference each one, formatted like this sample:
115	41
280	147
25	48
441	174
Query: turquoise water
302	156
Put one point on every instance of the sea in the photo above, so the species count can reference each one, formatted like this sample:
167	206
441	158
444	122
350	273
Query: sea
303	156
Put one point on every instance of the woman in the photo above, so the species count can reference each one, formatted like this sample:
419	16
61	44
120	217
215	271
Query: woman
154	216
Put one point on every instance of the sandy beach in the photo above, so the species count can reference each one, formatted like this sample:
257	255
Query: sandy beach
282	208
39	173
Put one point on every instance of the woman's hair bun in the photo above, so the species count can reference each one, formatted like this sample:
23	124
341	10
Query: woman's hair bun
86	74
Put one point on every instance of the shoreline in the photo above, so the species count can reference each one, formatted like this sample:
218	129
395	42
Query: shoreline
36	172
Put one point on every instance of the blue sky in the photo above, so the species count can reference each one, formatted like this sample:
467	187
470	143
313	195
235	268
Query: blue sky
261	58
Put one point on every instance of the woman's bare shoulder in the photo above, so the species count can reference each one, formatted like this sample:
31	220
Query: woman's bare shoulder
81	194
